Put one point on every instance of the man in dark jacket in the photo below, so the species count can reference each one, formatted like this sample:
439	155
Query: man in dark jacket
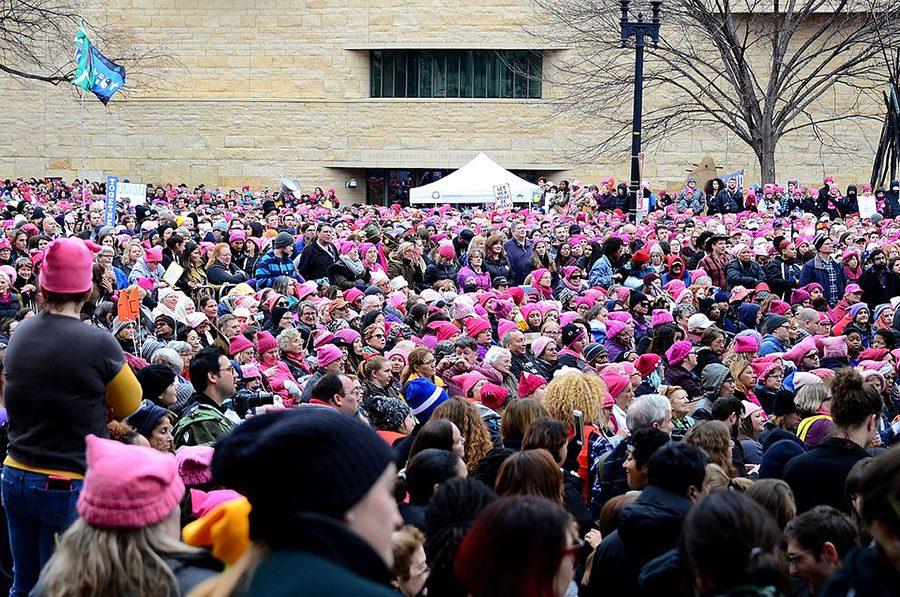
878	283
318	256
783	271
727	201
514	342
518	253
203	419
743	271
651	525
825	270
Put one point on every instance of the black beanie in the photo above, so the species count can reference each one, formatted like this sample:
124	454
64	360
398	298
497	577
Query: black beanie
313	459
154	380
636	298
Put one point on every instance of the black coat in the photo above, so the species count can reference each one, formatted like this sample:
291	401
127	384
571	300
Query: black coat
344	278
782	276
865	572
818	476
647	529
747	274
498	269
876	292
316	555
314	261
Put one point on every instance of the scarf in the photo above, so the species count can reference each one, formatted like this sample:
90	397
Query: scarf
354	265
545	291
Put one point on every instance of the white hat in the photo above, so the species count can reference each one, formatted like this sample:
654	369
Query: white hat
399	283
698	321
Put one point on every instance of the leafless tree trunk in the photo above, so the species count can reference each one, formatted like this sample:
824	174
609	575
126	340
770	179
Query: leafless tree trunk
37	41
761	69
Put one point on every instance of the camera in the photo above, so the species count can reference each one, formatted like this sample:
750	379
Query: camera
244	400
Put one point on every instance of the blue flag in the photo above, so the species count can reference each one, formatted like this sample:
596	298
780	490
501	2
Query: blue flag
109	77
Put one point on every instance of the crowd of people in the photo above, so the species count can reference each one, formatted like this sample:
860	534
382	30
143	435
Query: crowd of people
250	393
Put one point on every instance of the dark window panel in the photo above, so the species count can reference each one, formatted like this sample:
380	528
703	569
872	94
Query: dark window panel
387	80
535	74
440	74
412	74
453	74
492	75
400	74
507	77
520	71
479	84
425	74
375	77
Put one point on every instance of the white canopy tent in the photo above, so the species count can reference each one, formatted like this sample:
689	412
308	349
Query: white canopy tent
474	183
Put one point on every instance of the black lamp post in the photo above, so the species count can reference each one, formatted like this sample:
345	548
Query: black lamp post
638	30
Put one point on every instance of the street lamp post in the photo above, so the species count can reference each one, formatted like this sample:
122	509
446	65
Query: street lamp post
639	30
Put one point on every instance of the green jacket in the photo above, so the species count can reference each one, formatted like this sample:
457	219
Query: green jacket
200	425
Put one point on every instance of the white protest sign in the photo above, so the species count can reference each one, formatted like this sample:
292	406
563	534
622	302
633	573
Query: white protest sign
867	207
502	197
135	192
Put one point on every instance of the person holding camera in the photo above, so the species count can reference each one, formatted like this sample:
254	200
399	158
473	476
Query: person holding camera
203	420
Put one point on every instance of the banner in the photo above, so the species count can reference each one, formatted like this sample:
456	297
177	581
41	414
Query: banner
739	175
109	207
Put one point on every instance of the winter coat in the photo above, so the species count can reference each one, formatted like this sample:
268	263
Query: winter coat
9	309
482	280
679	376
314	261
317	555
697	202
218	274
409	271
771	344
747	274
818	476
647	529
436	272
864	572
877	291
497	269
726	202
519	258
814	271
782	276
344	278
601	273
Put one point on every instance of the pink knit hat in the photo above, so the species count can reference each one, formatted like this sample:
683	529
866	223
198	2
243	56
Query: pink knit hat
660	317
678	352
834	346
540	344
446	251
615	382
327	355
128	487
265	342
746	344
202	502
238	344
614	328
504	326
476	325
467	381
153	255
194	464
68	266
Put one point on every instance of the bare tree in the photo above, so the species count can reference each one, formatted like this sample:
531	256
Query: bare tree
761	69
37	41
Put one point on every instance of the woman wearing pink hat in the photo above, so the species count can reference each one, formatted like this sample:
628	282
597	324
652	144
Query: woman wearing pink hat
45	465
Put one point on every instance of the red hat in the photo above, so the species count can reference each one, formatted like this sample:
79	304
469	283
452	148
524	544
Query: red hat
265	342
476	325
641	256
68	266
446	251
528	383
239	344
647	363
517	293
467	381
494	396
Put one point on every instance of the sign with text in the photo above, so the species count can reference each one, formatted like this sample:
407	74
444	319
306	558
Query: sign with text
112	195
134	192
129	304
502	197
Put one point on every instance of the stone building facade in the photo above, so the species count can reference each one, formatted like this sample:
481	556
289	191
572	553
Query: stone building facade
253	90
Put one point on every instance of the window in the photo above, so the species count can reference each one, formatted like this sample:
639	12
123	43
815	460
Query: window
456	73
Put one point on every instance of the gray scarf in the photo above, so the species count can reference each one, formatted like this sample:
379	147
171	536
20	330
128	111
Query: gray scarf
356	266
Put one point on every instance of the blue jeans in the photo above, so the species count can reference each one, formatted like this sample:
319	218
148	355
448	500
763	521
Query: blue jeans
35	515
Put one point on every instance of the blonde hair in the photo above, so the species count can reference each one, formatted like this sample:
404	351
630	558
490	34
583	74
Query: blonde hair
737	367
100	561
464	415
214	253
810	397
714	438
574	391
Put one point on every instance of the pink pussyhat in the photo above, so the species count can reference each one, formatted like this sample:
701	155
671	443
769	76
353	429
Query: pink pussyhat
68	266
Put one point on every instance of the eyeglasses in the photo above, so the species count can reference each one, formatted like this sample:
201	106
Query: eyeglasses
379	335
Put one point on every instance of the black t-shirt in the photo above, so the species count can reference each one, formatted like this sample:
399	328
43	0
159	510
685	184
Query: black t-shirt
57	369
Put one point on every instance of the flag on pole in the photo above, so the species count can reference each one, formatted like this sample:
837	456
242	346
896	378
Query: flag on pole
95	72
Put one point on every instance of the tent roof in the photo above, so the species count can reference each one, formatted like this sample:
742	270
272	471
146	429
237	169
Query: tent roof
474	183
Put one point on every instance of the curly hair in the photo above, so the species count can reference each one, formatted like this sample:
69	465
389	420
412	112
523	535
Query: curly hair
574	391
714	438
465	416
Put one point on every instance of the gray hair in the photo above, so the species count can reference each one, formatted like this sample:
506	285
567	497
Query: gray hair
180	346
170	358
495	353
646	410
287	336
810	397
808	315
507	338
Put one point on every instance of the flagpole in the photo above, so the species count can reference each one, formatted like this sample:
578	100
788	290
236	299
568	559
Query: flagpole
83	177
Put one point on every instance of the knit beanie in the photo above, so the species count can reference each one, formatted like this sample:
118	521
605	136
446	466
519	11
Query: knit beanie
446	251
746	344
614	328
327	354
265	342
423	396
834	346
798	296
540	344
678	352
127	487
763	366
153	255
145	418
615	382
476	325
193	464
467	381
154	380
494	396
636	299
772	322
819	240
238	344
594	350
68	266
783	404
660	317
571	333
340	460
529	383
647	363
800	350
386	413
282	240
776	458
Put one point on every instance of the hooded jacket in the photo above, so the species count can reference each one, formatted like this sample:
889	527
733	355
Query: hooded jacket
713	376
647	528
